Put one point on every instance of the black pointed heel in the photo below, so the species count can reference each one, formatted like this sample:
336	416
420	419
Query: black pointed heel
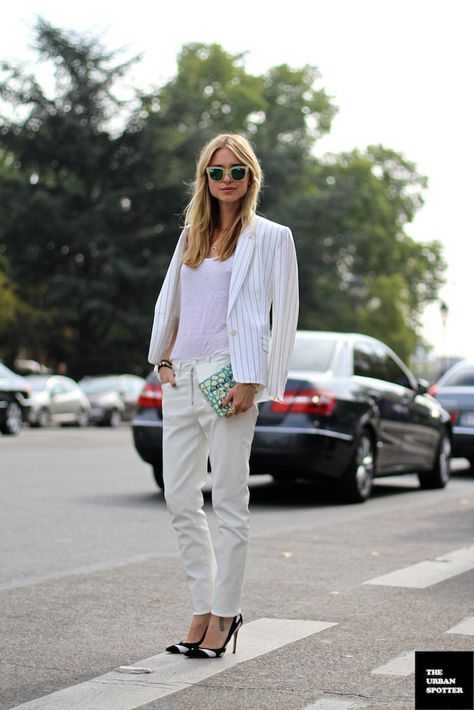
184	646
201	652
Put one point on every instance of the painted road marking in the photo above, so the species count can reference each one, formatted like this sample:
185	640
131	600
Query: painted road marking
466	627
424	574
171	672
404	664
335	702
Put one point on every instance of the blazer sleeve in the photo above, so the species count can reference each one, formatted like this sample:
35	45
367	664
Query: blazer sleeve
285	311
166	307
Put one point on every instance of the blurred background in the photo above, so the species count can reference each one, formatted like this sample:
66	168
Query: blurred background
359	112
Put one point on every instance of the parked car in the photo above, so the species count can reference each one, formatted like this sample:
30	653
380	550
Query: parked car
15	401
113	398
57	399
352	411
455	392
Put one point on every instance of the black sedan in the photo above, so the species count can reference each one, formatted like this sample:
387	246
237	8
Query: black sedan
352	411
15	401
455	392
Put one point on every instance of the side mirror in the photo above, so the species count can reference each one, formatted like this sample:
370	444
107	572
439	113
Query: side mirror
423	386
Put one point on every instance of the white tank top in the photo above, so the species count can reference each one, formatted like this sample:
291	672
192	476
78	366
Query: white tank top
202	328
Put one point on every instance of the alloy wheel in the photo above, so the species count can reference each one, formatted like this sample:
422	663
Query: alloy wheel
13	418
364	473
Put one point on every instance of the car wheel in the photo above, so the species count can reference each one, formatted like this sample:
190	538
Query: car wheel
82	418
359	477
13	419
43	419
158	476
115	418
440	474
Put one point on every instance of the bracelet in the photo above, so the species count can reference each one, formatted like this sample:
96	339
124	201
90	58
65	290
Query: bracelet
164	363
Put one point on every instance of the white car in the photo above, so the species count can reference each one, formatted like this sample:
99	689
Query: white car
57	399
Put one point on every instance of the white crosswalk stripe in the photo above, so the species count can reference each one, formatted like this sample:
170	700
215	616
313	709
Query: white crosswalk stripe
172	673
335	702
404	664
425	574
466	627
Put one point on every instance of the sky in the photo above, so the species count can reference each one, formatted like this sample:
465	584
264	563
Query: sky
399	72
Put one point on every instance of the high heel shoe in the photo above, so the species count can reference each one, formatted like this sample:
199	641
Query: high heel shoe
201	652
184	646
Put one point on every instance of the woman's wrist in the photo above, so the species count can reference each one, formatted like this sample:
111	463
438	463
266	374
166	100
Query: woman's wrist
255	385
164	362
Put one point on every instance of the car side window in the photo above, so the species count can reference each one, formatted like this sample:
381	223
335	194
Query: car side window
366	364
392	371
58	388
129	385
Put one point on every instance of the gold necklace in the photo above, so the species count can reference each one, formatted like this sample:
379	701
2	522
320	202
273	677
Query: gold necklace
214	249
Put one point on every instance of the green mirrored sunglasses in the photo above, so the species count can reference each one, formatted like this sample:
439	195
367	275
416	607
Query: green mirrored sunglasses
236	172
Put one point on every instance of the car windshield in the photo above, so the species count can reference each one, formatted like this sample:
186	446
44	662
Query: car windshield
462	378
99	385
4	371
38	383
310	353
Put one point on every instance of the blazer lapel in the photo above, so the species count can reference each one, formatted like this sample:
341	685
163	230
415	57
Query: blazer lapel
242	255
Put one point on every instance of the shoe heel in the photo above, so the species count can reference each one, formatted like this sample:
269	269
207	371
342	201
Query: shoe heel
235	639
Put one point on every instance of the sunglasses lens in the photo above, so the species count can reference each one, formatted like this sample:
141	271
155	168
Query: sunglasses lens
216	174
238	173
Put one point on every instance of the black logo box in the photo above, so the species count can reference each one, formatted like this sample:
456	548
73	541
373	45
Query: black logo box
444	680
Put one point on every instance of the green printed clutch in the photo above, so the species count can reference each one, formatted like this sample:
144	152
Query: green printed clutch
216	387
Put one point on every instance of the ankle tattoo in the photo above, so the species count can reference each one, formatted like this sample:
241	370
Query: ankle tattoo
221	623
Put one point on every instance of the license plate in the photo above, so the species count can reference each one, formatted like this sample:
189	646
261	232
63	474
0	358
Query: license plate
467	419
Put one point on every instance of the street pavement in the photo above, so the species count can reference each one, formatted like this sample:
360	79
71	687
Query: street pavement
327	623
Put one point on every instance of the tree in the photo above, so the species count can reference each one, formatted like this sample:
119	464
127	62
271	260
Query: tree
361	271
92	210
66	233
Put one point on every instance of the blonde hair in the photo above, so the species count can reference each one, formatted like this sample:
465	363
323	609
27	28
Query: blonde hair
202	211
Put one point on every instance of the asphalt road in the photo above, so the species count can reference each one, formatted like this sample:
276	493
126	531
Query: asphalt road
90	580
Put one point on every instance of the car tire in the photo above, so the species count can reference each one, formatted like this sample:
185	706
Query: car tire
356	484
158	476
82	418
115	418
440	474
13	421
43	419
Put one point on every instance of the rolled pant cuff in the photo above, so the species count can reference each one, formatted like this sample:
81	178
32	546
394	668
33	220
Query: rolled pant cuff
227	613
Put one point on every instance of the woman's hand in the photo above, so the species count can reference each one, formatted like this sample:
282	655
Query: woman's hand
166	374
241	396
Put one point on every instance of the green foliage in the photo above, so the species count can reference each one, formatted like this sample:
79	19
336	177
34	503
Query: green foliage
92	210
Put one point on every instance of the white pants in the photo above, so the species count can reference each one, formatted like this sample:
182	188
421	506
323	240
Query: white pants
192	431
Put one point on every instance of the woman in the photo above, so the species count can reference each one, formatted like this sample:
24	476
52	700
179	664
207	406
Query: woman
229	267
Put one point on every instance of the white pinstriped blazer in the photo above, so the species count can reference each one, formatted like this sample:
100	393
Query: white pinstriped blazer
264	275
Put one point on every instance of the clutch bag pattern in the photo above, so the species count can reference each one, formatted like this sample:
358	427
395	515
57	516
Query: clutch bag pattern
216	387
